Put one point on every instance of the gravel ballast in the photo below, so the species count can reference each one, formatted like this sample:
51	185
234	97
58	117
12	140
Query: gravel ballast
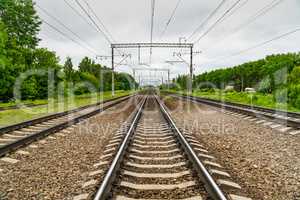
263	160
61	163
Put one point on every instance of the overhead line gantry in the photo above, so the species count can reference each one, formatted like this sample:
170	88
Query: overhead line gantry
152	45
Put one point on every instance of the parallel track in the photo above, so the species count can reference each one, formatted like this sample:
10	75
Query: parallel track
156	161
290	119
16	136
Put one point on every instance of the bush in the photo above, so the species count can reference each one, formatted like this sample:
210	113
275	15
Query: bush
254	98
29	89
297	103
265	85
281	96
294	95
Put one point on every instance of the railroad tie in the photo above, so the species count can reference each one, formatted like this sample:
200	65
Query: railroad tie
157	186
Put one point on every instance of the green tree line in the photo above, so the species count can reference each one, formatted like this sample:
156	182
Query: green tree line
275	74
19	53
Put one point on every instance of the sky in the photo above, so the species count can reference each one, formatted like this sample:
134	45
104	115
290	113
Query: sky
130	21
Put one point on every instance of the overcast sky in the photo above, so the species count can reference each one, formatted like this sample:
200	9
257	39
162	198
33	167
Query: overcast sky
129	21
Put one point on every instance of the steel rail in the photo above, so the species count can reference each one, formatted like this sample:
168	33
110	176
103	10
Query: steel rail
259	108
281	117
20	125
30	138
106	185
211	186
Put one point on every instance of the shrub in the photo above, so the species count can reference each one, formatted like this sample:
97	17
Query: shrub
294	95
265	85
281	95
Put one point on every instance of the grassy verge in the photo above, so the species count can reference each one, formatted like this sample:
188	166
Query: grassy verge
26	102
257	99
8	117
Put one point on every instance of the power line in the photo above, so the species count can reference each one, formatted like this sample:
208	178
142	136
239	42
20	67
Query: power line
268	41
93	21
152	23
217	22
263	11
67	28
207	19
80	15
262	43
65	35
260	13
99	20
235	10
96	25
170	19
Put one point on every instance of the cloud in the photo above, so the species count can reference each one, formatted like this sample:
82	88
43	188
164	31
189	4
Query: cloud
129	21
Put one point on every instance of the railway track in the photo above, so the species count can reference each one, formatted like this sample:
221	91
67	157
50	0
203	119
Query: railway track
155	160
18	135
285	121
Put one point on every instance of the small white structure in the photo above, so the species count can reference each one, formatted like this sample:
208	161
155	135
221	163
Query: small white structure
250	90
229	88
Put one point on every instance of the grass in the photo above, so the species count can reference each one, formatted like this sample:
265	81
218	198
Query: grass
256	99
32	102
8	117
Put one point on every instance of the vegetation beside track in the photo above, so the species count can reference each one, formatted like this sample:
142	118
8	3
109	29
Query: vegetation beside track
36	73
275	78
8	117
256	99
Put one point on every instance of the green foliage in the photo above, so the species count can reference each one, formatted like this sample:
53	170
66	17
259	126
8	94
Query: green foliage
249	74
68	69
30	88
294	76
19	55
91	82
21	21
277	75
124	81
281	95
294	95
265	85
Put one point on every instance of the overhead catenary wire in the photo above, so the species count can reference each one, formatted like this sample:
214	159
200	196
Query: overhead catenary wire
235	10
268	41
260	13
171	18
93	21
97	26
260	44
65	35
218	21
80	15
67	28
151	28
263	11
206	20
99	20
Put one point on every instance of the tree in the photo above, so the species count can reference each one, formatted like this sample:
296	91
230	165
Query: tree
294	76
88	65
21	21
85	65
124	81
5	77
3	42
68	69
21	25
